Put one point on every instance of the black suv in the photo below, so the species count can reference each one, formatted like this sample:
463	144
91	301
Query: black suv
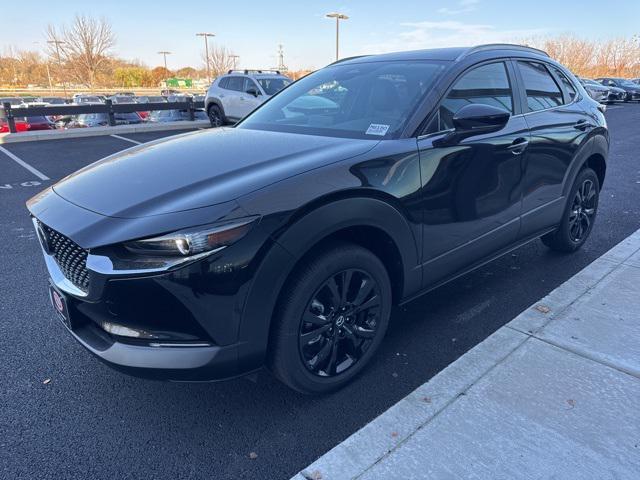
285	240
631	89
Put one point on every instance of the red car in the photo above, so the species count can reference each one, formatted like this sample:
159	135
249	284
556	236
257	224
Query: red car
26	125
39	122
21	125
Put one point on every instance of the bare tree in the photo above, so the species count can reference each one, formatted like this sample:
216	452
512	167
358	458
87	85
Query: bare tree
220	60
618	57
84	47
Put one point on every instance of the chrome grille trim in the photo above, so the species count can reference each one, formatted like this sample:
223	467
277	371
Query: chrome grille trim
70	257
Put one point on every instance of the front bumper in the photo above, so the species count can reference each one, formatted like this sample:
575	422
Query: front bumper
187	318
162	362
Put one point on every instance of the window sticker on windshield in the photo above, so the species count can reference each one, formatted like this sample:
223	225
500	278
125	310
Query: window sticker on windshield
377	129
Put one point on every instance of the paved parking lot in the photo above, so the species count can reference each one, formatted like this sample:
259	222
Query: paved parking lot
91	422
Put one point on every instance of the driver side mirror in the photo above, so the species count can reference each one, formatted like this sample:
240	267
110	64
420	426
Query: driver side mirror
253	91
474	119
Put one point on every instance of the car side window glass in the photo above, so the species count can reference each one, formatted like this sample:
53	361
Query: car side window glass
542	90
568	84
250	84
235	83
223	82
486	85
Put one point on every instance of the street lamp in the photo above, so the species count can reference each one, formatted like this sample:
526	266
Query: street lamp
57	43
164	53
206	50
338	17
234	58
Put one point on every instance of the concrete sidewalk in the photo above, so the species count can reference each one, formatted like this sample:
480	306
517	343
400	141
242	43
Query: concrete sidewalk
553	394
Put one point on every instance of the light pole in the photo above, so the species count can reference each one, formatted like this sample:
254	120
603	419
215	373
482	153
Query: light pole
206	50
234	58
164	53
57	43
338	17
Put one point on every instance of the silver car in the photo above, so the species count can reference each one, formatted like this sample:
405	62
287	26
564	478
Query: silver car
232	96
598	92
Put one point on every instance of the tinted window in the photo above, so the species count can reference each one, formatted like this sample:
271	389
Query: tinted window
223	82
235	83
487	85
362	100
272	86
568	84
542	90
250	84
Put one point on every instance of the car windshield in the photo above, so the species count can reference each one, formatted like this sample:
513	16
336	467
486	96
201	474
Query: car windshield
93	117
626	83
53	100
123	100
163	113
12	101
127	116
271	86
363	100
88	100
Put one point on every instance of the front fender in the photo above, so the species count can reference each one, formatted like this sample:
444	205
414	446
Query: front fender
292	243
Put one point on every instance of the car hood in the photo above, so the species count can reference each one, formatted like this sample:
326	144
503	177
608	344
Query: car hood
199	169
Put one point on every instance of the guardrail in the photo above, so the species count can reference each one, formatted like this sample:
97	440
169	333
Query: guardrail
108	107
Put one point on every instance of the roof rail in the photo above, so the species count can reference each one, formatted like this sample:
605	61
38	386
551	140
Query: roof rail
247	71
505	46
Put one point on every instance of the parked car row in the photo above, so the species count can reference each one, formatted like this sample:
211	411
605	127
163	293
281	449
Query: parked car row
86	120
610	89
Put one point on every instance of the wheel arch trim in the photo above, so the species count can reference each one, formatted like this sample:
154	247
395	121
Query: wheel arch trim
292	243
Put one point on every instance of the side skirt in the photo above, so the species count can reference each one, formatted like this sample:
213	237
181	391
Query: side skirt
479	264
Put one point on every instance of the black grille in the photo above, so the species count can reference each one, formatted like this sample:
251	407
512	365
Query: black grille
70	257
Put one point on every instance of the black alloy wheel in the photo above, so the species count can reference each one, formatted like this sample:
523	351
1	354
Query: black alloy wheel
215	116
332	316
580	214
583	211
340	323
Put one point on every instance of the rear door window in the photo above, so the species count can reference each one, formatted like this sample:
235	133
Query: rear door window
568	84
542	90
236	83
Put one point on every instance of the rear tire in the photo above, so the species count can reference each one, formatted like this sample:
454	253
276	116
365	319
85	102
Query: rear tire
579	215
216	117
331	318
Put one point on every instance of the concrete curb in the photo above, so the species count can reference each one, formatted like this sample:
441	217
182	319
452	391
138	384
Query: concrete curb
99	131
382	436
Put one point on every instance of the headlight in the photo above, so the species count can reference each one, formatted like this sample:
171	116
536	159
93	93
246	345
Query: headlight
193	241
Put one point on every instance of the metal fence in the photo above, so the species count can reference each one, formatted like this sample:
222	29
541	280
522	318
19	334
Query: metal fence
108	107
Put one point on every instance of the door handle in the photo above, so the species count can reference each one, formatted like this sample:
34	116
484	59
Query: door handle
582	125
518	146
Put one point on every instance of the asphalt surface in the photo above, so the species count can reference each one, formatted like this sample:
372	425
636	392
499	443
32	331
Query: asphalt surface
65	415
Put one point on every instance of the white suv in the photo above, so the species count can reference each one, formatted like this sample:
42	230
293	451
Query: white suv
230	97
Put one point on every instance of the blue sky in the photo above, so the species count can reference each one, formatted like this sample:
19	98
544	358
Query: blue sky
253	29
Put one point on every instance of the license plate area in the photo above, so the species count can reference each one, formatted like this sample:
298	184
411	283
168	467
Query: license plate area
60	305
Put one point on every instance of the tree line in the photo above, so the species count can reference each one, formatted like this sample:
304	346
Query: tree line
618	57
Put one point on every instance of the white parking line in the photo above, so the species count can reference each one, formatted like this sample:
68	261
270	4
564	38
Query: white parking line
126	139
21	162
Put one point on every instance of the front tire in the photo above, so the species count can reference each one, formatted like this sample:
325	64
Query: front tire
216	117
579	215
332	317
